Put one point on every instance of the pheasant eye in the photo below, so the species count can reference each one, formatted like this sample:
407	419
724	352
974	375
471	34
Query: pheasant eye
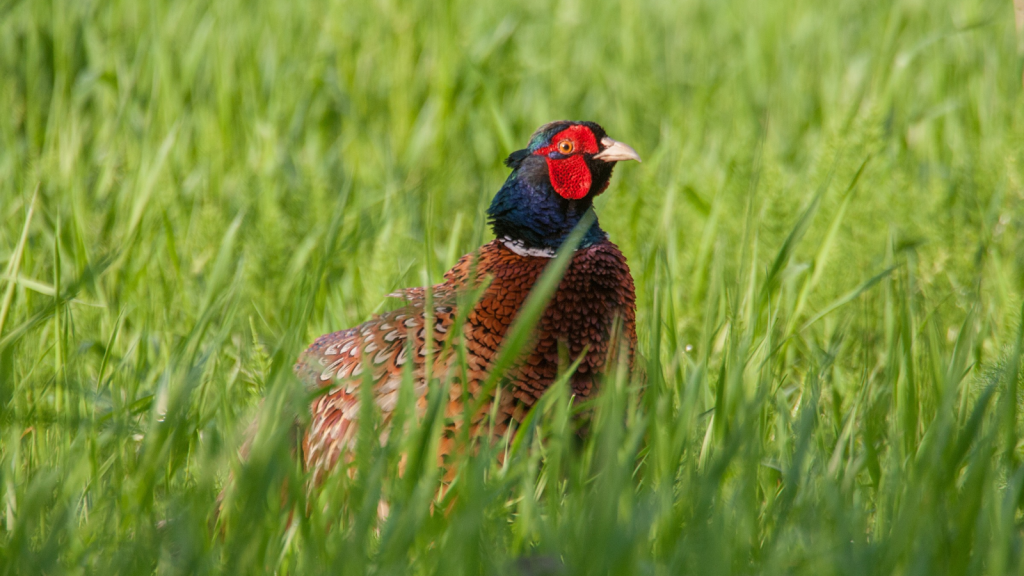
565	147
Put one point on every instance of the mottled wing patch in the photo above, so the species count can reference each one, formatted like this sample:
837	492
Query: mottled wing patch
376	351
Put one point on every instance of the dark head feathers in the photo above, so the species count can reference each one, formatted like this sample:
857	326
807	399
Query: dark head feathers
516	158
542	135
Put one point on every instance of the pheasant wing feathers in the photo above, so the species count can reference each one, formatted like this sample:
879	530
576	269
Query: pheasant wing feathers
383	347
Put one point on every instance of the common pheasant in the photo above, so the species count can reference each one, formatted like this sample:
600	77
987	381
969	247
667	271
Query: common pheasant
552	185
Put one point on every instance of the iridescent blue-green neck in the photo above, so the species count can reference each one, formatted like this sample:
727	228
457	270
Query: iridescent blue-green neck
528	211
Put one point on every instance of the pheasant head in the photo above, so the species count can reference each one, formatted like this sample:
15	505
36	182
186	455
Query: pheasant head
553	183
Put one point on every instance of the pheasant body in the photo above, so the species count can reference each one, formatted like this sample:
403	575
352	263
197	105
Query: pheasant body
591	314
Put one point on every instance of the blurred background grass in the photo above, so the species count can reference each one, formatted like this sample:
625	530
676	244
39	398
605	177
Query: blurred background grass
827	235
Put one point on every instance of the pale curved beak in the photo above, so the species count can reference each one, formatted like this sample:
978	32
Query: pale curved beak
615	151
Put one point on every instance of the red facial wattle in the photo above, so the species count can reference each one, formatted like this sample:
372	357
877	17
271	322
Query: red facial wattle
569	173
570	177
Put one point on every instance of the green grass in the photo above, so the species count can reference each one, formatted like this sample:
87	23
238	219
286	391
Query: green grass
827	237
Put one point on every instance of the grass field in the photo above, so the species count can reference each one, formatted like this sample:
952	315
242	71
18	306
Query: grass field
827	237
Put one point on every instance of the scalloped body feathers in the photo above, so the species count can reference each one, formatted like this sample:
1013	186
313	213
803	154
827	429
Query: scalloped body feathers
596	291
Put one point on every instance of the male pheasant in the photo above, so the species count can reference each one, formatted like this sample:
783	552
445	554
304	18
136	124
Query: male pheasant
552	185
